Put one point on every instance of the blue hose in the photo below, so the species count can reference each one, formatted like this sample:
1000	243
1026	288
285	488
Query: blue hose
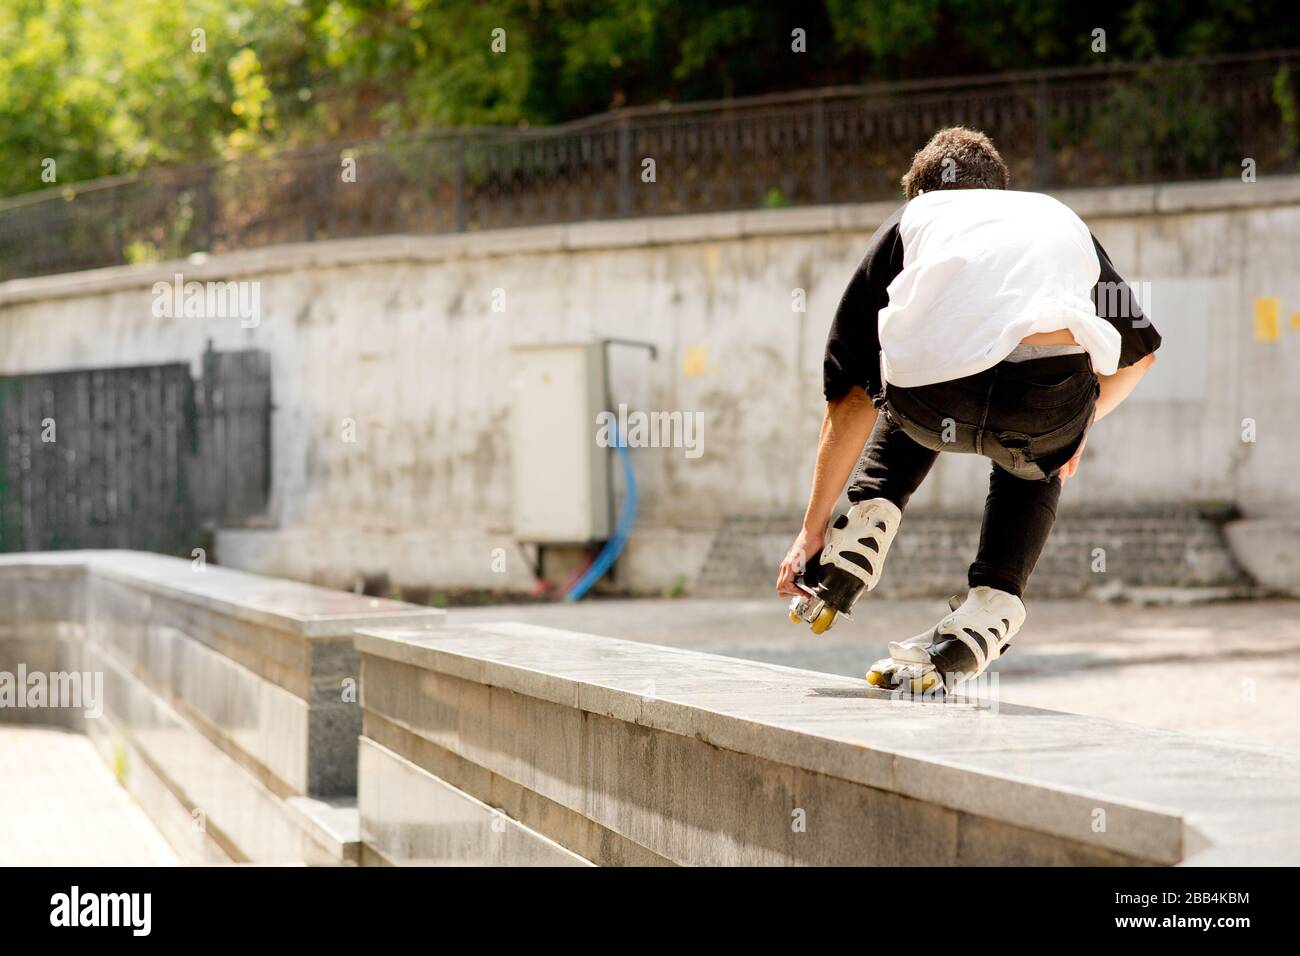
622	528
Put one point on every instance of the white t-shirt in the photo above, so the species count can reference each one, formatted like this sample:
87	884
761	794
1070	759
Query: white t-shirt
956	278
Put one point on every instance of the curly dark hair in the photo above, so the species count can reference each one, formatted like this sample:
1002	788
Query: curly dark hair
956	158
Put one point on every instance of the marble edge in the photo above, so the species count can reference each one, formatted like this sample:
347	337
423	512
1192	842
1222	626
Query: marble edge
43	572
319	819
1160	829
304	624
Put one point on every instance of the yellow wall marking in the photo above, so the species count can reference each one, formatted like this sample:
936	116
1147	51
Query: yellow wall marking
1268	322
695	362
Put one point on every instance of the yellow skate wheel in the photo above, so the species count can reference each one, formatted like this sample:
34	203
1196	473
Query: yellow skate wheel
823	621
796	618
924	683
874	678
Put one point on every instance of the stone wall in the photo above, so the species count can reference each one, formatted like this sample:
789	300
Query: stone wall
397	337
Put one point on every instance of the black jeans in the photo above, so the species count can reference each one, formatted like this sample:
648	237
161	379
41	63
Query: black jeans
1028	417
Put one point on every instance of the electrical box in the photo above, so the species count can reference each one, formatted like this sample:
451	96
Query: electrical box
560	473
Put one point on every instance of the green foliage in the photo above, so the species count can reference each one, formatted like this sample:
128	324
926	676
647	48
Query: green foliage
1285	98
407	64
774	198
1164	119
140	251
47	108
112	86
119	762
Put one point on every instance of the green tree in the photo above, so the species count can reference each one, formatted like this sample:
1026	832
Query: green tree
111	86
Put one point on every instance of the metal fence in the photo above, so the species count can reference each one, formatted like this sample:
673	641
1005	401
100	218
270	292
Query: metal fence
140	457
1175	120
232	470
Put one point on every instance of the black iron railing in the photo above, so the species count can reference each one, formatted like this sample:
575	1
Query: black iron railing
1176	120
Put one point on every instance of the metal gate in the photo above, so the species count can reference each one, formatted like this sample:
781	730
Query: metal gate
142	457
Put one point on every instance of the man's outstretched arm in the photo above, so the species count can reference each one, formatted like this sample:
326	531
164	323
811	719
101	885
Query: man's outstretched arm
1114	389
845	428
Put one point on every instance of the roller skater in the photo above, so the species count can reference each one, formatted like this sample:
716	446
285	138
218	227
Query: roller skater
980	321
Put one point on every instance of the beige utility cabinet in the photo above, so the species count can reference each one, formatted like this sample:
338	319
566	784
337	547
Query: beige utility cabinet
560	475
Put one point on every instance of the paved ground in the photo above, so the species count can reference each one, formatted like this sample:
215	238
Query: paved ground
61	806
1226	669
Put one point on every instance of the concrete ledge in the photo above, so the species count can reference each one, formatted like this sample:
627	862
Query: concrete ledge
236	694
703	759
1165	199
209	807
159	799
271	602
1269	550
514	744
414	818
333	824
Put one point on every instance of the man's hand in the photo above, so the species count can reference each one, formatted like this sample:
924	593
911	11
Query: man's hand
805	548
1071	466
1114	389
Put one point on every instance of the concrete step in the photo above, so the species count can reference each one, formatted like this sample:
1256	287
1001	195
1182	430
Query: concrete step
1089	551
613	748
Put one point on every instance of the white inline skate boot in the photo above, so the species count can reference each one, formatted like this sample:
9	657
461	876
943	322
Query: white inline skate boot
960	647
849	563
